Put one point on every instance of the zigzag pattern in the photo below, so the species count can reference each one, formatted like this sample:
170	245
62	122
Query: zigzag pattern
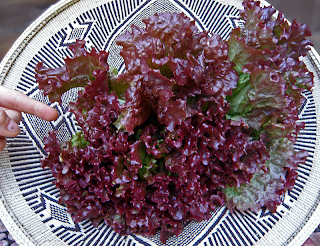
99	27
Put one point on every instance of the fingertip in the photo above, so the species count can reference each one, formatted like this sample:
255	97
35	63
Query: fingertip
45	112
53	114
56	114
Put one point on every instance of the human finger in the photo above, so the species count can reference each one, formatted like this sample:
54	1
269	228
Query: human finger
13	114
8	127
3	142
18	101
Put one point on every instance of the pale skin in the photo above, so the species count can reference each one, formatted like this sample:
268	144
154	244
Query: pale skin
12	103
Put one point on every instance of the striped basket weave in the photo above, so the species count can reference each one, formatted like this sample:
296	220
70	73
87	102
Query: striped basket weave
29	204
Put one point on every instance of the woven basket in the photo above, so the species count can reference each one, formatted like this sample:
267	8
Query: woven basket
29	205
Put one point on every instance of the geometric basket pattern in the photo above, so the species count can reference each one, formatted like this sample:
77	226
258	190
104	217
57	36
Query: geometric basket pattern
99	23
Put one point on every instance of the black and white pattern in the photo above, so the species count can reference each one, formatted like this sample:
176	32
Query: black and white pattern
100	26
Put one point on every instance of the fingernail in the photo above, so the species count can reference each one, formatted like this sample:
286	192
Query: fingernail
13	126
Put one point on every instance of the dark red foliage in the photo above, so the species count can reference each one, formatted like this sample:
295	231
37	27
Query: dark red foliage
184	129
268	96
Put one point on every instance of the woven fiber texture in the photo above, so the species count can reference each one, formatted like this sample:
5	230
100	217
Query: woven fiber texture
29	204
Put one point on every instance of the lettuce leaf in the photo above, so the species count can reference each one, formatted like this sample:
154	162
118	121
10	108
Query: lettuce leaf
267	185
193	123
266	53
77	72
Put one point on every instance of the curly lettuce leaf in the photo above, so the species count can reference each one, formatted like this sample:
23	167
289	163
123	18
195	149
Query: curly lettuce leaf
134	112
77	72
268	93
184	128
266	53
169	65
267	186
262	90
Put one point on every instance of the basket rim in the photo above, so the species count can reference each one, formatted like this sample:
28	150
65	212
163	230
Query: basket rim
8	219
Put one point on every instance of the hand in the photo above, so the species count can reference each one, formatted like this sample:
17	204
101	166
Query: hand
12	103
